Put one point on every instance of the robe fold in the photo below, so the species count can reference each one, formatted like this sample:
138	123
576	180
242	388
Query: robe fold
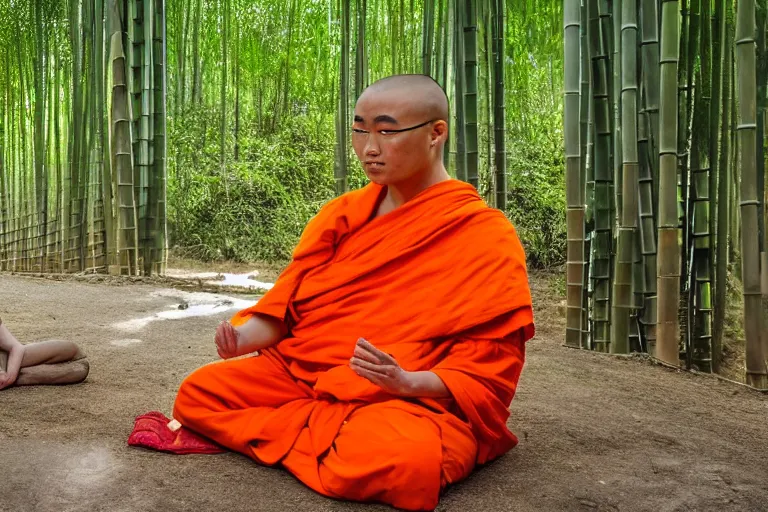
440	284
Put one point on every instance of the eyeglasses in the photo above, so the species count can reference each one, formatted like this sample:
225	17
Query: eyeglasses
360	133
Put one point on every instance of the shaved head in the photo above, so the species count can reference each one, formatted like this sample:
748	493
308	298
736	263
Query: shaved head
399	131
421	92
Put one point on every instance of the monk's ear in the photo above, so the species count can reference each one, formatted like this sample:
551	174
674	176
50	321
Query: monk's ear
439	130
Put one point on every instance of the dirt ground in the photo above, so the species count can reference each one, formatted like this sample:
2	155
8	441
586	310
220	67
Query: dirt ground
596	432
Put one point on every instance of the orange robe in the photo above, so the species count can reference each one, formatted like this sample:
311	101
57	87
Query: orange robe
440	283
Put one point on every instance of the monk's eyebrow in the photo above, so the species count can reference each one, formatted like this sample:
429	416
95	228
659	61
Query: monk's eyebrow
385	119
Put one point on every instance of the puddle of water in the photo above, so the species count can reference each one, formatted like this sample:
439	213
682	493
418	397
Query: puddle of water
195	304
188	274
243	280
246	280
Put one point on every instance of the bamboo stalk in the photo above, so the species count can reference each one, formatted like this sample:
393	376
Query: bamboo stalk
757	370
600	268
470	91
340	169
122	154
575	265
700	245
499	110
668	272
762	154
714	127
623	297
159	229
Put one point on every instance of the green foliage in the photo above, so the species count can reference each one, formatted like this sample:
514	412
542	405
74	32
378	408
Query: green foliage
253	209
256	208
287	94
536	197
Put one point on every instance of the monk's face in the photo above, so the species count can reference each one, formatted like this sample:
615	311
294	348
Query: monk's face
393	137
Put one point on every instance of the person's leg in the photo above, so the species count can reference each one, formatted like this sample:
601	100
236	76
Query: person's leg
50	352
392	452
47	362
52	362
235	402
69	372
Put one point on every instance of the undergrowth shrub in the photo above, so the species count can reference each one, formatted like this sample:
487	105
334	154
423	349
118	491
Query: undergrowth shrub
536	195
252	209
255	209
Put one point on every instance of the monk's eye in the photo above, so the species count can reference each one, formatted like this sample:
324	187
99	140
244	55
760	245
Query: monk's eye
359	131
387	132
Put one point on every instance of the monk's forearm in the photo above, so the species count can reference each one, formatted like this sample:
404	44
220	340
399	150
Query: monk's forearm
427	385
260	332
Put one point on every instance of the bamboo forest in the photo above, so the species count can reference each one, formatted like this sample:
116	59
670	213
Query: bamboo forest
624	139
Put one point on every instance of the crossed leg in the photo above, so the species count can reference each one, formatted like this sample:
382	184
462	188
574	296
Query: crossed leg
45	362
394	452
52	362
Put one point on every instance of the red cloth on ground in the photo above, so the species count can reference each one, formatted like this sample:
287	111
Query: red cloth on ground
151	431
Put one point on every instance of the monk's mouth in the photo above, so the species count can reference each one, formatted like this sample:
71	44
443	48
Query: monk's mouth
374	166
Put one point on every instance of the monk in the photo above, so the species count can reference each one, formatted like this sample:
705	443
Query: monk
390	348
45	362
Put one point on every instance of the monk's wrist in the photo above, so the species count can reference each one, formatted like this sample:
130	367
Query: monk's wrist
425	384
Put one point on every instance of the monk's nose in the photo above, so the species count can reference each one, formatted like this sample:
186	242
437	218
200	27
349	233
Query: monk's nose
371	148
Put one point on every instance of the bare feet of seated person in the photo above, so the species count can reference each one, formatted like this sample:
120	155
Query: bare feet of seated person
45	362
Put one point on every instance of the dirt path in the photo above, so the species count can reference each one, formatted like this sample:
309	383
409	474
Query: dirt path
596	433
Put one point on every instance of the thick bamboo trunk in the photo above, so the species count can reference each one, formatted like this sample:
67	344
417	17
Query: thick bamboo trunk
668	272
616	126
757	370
71	237
158	225
762	154
625	255
718	197
603	210
575	265
127	241
652	83
700	242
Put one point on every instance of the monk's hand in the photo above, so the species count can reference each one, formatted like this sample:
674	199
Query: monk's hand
227	339
381	369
